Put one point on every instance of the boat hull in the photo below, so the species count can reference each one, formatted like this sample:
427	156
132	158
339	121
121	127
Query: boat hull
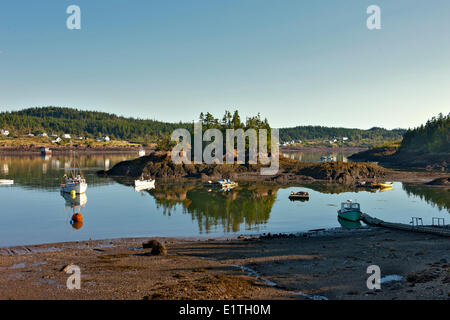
79	188
300	198
349	224
350	215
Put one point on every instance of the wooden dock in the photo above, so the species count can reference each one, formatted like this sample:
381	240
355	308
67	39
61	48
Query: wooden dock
439	231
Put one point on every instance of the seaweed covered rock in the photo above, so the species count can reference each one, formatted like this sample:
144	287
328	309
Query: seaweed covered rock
158	248
343	172
159	165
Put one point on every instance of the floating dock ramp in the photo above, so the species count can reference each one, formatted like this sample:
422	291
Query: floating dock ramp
443	231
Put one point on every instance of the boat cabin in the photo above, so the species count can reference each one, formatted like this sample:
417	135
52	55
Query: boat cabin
350	206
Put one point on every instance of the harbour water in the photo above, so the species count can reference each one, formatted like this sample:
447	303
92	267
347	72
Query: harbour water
34	211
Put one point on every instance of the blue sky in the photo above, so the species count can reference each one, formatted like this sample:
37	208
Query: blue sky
296	62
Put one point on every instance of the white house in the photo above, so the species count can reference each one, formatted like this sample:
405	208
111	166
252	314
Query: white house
344	138
105	138
66	136
42	134
58	139
5	132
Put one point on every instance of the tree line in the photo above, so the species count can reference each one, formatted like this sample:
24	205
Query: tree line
59	120
434	136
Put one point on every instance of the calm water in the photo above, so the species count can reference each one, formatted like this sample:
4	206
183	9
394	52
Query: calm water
33	210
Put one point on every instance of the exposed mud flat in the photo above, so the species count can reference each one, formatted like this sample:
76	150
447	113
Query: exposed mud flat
326	264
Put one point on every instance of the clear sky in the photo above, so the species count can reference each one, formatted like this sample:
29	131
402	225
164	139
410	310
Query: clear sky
296	62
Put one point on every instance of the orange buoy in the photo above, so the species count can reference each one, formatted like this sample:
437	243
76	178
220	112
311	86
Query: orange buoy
77	224
77	217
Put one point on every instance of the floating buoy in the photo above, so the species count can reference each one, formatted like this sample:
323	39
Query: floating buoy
77	224
73	194
77	217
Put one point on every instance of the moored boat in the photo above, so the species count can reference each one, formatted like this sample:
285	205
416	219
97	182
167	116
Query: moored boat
46	151
222	183
350	211
75	183
386	185
301	195
6	182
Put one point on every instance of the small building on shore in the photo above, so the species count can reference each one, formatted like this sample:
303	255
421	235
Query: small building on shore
66	136
5	132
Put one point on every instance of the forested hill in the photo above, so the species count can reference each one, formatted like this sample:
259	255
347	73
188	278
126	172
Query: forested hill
56	120
355	136
434	136
85	123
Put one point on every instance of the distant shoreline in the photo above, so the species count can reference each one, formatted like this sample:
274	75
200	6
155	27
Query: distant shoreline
82	149
63	150
322	149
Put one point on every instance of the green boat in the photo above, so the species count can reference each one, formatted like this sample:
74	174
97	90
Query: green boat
350	211
349	224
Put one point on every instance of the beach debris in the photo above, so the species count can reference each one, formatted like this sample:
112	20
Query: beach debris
149	244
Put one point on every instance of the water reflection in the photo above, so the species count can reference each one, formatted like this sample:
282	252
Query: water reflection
436	197
45	172
248	204
33	211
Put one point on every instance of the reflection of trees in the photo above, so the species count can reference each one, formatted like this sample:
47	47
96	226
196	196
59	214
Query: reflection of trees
46	173
439	197
250	205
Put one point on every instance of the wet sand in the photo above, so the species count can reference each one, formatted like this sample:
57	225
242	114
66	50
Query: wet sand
317	265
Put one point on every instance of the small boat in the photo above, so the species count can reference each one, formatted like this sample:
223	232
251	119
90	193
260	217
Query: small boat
144	184
46	151
386	185
350	211
75	183
141	152
222	183
6	182
301	195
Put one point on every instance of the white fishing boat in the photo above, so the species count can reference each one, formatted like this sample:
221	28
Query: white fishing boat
74	183
6	182
144	184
